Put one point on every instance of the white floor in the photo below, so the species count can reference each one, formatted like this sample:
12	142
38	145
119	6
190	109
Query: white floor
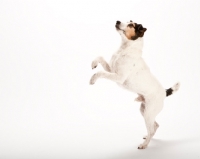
48	110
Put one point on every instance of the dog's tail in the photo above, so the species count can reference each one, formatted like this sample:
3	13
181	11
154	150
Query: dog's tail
173	89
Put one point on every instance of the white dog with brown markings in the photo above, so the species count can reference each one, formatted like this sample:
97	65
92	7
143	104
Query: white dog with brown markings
128	69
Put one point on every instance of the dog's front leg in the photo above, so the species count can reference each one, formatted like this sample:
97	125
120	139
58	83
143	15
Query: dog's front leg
102	62
119	78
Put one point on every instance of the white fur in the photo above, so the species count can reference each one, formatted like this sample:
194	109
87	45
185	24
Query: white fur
128	69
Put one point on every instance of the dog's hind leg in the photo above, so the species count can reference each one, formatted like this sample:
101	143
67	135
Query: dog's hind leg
156	125
149	121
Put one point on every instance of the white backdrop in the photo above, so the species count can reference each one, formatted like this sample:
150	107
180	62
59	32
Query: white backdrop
48	110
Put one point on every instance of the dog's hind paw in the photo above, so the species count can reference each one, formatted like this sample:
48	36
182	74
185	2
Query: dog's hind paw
145	137
142	146
140	99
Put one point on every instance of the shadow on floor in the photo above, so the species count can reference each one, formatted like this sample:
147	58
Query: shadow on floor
161	149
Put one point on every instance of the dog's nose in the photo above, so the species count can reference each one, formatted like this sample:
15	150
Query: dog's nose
118	22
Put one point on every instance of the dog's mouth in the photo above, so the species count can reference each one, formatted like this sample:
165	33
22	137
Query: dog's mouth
117	27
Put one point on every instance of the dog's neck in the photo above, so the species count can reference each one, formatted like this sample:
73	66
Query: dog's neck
137	44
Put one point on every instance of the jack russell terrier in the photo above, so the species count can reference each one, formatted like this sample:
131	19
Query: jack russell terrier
128	69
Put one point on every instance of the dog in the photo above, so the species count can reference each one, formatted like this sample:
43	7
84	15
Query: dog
128	69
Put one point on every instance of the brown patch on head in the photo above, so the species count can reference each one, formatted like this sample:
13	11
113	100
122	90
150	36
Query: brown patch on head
130	32
133	31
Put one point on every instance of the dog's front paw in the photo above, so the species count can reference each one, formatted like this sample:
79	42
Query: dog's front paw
94	64
93	79
145	137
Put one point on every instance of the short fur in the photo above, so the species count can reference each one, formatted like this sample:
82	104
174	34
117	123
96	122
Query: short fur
128	69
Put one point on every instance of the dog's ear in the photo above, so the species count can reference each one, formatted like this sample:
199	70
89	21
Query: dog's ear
139	30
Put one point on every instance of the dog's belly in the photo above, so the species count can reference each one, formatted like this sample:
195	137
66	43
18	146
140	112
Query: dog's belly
143	83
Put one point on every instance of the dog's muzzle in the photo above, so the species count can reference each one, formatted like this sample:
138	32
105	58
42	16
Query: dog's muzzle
117	25
118	22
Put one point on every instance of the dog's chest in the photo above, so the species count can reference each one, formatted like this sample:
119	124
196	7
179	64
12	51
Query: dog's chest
122	59
116	61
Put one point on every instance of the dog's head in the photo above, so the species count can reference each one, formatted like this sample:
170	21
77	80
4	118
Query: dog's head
131	30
